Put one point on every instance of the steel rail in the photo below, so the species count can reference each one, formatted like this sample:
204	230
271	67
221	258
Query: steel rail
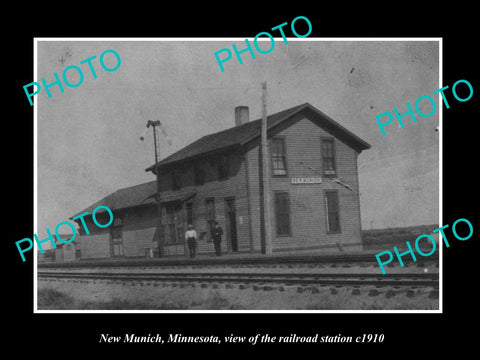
410	279
274	260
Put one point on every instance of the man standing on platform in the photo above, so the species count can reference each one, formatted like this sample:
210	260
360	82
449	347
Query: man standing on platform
217	238
191	237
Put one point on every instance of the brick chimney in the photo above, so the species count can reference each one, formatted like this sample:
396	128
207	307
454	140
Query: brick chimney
241	115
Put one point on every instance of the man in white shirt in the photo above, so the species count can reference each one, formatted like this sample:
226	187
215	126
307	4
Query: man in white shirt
191	237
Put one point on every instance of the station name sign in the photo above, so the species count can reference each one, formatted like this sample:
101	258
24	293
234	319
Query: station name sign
309	180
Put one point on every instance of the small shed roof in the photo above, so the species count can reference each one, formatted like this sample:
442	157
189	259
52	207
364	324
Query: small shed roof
136	195
142	194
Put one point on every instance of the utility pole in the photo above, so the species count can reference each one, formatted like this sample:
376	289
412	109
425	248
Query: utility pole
154	124
267	194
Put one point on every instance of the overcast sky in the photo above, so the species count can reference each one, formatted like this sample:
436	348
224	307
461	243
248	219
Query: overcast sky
87	137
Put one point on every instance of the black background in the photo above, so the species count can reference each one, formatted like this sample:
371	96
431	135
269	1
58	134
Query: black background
55	335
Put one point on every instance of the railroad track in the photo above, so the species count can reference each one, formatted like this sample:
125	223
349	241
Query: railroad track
337	259
342	279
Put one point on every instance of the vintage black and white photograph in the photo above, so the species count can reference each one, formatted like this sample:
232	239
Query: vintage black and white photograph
207	174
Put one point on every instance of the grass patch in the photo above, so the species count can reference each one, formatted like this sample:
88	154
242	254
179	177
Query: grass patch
114	304
346	302
54	300
216	302
377	239
51	299
328	302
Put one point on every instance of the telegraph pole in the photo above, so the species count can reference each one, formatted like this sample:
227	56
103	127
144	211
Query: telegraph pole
267	194
154	124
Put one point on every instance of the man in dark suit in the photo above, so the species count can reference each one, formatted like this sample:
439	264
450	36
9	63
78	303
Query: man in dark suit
217	238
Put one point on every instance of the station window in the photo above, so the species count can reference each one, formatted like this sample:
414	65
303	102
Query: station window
189	207
279	157
332	211
199	174
223	167
328	156
282	213
176	180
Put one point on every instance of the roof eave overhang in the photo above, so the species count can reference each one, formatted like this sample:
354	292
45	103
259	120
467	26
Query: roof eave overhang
117	210
153	167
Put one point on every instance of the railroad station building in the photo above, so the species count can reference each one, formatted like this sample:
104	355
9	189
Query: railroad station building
313	177
134	229
66	252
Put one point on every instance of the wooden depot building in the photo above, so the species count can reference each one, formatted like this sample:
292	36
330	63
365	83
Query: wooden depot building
313	178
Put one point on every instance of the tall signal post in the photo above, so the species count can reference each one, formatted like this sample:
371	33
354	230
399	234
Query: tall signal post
154	125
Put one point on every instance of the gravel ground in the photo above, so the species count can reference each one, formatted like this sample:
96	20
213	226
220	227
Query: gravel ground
151	295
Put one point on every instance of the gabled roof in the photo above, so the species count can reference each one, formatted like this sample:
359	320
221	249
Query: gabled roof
240	135
124	198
